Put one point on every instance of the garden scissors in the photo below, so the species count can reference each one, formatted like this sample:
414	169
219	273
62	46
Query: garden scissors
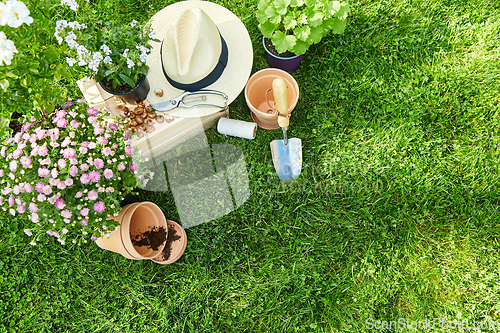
186	98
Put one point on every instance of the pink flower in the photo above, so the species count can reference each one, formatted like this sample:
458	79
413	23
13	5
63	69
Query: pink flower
17	189
99	130
54	173
41	197
126	135
92	120
21	209
84	222
92	112
110	189
93	238
84	212
25	161
47	190
66	214
27	232
60	114
113	126
74	124
34	218
95	176
84	167
3	150
108	173
83	150
92	195
12	200
39	187
28	188
129	150
133	167
99	206
17	153
79	194
73	161
42	151
43	172
13	166
69	153
66	142
84	178
61	185
106	151
101	189
2	173
40	134
73	171
98	163
92	145
85	144
102	140
33	207
62	123
68	182
46	161
67	105
60	204
121	167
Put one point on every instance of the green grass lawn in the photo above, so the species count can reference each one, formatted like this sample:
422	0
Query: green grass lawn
395	214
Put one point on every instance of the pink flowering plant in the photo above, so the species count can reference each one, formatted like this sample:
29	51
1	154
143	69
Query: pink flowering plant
107	51
67	175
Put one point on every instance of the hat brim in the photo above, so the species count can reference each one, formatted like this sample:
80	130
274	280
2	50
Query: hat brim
240	56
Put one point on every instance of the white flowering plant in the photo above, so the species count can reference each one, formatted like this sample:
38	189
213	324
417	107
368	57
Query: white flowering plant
68	174
32	76
112	53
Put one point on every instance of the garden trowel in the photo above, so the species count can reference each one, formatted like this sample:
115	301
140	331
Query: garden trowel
287	153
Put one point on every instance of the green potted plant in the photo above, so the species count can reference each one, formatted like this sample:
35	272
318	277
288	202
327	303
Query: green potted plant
32	76
114	54
290	27
67	174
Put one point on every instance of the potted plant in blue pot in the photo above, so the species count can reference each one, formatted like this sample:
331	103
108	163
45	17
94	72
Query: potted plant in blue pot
290	27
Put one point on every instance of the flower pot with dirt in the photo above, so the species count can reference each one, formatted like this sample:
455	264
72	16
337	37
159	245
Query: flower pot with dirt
175	245
142	232
126	93
286	61
261	101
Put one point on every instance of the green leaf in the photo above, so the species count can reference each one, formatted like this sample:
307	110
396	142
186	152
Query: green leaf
127	80
283	42
271	12
333	8
316	34
261	17
344	10
300	47
303	32
5	84
296	3
267	29
281	6
289	23
303	19
316	19
263	4
337	26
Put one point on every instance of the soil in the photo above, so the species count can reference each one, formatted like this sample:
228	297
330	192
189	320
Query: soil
270	47
152	238
119	89
172	237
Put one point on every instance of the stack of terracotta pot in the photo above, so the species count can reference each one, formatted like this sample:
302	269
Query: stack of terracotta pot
139	217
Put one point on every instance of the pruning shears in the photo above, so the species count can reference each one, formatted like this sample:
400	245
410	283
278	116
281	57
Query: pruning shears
185	99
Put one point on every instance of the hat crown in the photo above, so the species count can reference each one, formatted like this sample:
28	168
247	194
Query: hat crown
191	47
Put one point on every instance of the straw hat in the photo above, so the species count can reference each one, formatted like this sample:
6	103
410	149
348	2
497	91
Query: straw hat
202	46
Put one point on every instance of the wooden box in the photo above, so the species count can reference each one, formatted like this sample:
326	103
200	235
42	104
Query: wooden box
166	136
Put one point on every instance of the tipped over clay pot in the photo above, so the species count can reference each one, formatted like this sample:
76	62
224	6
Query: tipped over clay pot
176	241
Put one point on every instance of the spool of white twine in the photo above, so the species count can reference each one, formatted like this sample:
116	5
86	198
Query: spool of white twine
238	128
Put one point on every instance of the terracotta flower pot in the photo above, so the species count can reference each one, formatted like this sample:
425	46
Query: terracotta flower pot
134	219
256	91
177	247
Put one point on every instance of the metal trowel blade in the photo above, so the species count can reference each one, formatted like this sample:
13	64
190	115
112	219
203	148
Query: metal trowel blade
287	159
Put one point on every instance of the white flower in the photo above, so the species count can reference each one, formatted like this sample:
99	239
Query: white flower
107	60
106	49
152	34
16	13
73	5
70	61
32	243
125	53
133	23
130	63
7	49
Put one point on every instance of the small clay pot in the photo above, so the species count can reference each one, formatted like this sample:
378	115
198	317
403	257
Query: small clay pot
178	246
